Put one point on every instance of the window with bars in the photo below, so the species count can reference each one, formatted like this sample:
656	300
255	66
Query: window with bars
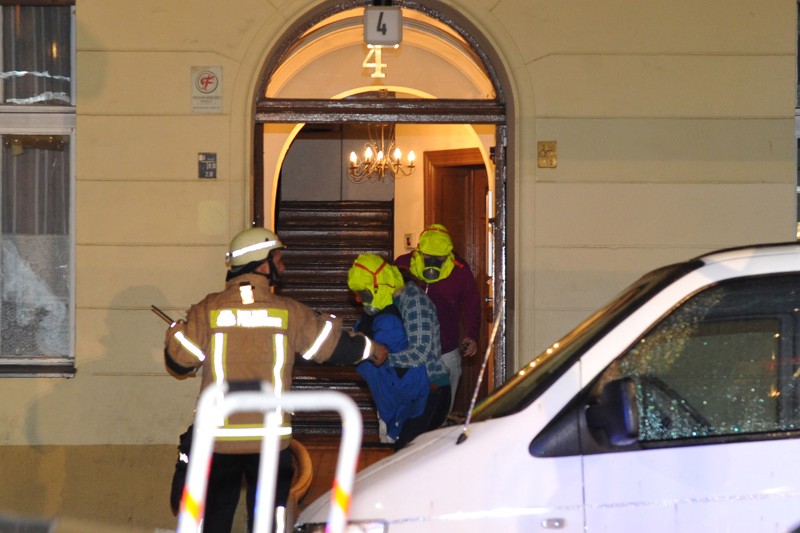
37	128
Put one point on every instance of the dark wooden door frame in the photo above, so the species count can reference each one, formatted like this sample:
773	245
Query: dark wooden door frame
458	157
471	156
465	162
499	221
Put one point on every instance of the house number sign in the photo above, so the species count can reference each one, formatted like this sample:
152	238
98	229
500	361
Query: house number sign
383	26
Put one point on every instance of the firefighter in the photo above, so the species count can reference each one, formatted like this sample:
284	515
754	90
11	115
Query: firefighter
246	333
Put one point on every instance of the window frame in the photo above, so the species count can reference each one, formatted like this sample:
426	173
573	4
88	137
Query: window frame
797	123
797	165
49	120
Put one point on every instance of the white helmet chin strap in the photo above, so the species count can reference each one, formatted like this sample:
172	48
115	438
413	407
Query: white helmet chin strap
274	276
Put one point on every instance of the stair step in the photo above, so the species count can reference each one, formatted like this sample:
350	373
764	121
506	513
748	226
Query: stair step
322	239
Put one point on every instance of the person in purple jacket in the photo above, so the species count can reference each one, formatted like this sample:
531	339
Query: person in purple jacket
450	284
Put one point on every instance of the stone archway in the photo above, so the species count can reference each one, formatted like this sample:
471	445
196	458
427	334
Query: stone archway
278	106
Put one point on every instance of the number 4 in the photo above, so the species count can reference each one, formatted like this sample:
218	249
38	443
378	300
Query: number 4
381	26
375	51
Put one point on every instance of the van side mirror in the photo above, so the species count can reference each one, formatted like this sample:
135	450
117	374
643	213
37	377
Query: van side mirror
615	416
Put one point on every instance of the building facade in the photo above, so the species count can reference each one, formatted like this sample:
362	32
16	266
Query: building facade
668	132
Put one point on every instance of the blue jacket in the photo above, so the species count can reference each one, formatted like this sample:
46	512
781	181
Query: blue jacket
396	398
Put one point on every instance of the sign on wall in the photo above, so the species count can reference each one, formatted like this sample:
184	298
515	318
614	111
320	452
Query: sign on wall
206	89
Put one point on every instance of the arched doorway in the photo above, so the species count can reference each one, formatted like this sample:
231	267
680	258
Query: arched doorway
441	78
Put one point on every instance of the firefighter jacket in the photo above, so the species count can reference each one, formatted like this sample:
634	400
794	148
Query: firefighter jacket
246	333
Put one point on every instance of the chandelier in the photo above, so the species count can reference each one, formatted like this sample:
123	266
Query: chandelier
382	158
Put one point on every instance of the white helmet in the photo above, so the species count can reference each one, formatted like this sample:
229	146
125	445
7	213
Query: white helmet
250	245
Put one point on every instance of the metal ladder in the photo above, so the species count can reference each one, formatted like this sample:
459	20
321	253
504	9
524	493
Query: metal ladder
217	403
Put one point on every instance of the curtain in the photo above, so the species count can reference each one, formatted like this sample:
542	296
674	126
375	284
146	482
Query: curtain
36	55
35	185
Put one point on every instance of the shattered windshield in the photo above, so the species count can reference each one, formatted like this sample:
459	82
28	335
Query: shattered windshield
519	391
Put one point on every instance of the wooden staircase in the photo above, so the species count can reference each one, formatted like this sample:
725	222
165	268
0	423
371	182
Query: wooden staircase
322	239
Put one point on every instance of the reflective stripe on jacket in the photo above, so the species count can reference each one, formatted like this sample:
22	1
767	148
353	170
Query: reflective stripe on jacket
247	333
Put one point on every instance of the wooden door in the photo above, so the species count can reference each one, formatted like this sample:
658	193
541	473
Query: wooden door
456	185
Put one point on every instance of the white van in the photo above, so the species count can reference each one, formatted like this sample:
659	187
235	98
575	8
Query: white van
675	408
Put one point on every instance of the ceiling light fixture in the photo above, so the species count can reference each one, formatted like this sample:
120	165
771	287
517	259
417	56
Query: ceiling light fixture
382	157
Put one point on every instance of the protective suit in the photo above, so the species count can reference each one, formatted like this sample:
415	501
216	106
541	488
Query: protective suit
399	393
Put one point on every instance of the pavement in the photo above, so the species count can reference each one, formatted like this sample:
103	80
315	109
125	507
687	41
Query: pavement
19	524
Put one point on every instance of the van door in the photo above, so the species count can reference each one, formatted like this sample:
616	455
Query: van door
718	416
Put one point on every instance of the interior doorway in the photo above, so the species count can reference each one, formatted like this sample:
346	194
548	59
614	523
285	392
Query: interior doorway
456	190
441	76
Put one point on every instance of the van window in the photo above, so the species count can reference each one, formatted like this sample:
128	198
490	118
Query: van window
532	379
724	363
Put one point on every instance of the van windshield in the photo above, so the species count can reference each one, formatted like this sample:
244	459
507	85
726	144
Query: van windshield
526	385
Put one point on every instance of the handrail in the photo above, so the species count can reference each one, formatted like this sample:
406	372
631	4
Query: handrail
217	403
